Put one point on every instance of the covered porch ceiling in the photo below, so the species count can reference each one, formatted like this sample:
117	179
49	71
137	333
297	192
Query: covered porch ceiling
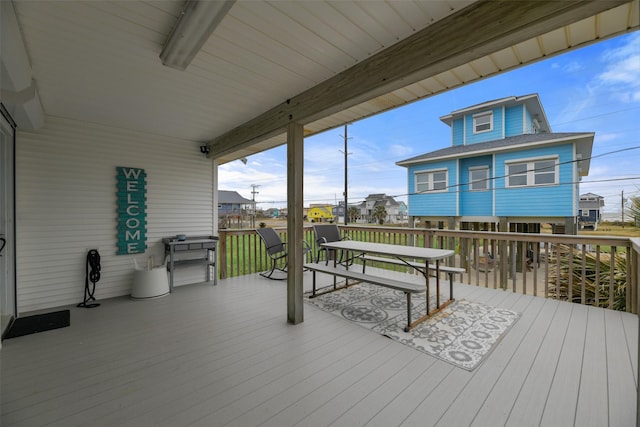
319	63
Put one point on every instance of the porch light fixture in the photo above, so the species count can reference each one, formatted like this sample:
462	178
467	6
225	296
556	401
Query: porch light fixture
198	20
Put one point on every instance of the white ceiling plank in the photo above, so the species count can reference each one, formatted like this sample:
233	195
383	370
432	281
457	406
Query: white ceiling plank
529	50
324	23
484	66
465	73
384	15
554	41
98	61
286	33
361	18
583	32
461	37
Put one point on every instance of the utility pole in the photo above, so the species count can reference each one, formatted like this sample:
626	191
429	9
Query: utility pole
346	153
254	192
622	207
253	198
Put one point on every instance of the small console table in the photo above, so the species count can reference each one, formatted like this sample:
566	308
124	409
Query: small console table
193	245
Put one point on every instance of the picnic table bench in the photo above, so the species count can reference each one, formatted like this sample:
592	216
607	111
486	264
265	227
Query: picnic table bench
402	253
420	266
406	287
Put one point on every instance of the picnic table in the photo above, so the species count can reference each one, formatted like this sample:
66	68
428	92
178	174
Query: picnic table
400	254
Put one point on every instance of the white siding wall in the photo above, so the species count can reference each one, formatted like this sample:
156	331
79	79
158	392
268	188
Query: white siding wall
66	205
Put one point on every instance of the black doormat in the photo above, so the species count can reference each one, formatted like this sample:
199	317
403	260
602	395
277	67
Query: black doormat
38	323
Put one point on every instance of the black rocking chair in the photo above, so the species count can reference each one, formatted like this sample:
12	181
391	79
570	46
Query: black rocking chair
277	251
326	233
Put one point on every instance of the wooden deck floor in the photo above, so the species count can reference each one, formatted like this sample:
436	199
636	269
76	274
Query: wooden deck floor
224	355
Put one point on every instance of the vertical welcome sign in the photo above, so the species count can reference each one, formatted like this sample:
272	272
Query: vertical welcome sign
132	210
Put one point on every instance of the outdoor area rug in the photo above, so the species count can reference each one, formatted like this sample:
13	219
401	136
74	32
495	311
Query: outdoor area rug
462	334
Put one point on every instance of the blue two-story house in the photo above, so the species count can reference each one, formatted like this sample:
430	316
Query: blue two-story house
504	166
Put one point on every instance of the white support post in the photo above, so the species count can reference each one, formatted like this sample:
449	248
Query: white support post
214	181
295	217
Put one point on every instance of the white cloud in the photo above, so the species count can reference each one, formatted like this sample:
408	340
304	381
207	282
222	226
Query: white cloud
622	69
625	71
617	81
397	150
607	137
572	67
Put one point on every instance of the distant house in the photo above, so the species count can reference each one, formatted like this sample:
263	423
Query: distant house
320	213
589	215
396	210
504	166
232	203
234	210
338	211
272	213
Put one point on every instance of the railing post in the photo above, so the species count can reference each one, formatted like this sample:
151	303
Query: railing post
632	280
428	238
222	255
635	284
464	248
451	226
502	256
503	263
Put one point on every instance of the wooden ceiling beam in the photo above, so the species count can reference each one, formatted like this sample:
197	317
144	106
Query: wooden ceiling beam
478	30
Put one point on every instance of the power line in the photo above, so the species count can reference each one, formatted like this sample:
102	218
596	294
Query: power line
363	165
597	116
528	170
363	198
505	188
254	186
491	178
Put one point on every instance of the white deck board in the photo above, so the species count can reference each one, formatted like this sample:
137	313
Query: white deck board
378	398
630	325
225	355
560	407
496	408
593	396
319	402
471	391
531	398
293	384
620	379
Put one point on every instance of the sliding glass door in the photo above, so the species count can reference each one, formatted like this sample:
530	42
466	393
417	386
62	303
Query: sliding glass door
8	305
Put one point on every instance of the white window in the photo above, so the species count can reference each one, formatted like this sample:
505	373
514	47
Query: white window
483	122
479	178
431	181
532	173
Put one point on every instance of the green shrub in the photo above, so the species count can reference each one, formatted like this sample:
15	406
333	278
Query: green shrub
573	257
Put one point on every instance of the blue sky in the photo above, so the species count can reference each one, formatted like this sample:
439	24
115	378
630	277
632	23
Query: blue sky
592	89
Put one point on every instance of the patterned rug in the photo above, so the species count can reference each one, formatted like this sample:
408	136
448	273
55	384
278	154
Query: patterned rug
462	334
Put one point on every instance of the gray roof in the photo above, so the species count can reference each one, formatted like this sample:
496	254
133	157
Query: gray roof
590	204
376	196
585	140
381	199
591	195
232	197
532	102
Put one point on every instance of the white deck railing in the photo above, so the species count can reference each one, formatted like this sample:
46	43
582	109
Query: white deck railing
599	271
